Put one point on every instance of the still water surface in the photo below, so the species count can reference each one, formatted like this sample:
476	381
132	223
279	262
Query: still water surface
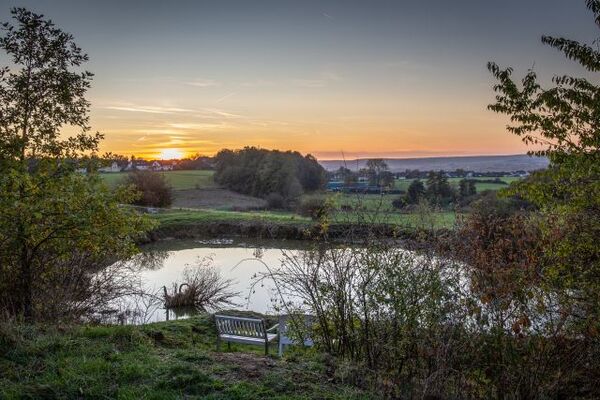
227	257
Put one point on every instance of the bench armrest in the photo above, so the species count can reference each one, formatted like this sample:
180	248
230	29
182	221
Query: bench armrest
273	327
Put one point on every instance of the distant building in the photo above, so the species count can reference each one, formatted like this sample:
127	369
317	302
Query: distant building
114	167
137	165
163	165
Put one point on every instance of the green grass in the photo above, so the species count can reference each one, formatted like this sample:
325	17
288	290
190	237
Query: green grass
435	220
182	218
175	217
167	360
403	184
179	180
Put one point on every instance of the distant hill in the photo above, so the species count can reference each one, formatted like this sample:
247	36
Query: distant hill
520	162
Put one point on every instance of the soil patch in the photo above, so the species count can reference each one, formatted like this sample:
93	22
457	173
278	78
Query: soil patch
245	366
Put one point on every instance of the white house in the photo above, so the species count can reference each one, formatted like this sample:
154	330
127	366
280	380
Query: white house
114	167
161	166
139	165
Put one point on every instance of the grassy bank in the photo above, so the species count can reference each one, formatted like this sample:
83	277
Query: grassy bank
195	217
182	218
168	360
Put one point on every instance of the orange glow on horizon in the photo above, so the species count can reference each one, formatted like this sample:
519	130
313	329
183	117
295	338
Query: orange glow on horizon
171	154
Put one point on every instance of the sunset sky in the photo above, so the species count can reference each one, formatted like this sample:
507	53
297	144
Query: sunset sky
371	78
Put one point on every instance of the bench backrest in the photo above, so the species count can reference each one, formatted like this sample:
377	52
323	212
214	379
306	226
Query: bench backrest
238	326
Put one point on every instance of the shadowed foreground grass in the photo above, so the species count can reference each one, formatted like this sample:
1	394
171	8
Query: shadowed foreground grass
167	360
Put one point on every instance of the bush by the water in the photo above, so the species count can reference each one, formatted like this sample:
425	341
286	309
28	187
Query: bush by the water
275	201
480	322
153	188
260	172
314	207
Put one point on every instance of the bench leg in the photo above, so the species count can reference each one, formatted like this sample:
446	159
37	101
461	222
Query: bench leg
218	343
266	348
229	346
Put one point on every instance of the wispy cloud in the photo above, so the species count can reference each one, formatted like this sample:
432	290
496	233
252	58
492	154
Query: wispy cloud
221	113
257	83
327	16
149	109
228	95
324	78
206	112
309	83
202	83
197	126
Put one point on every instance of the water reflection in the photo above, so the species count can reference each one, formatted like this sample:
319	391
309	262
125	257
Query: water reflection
163	263
181	313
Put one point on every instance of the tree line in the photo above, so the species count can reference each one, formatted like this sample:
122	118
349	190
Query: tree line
260	172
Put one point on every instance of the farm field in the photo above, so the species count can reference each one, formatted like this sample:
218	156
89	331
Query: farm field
200	200
381	202
403	184
179	180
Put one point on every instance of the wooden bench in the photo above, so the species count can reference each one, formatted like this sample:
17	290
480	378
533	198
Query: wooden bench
243	330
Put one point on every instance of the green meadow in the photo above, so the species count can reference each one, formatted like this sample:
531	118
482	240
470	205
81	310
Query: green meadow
403	184
179	180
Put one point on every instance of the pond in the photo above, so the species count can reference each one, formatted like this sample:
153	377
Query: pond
236	259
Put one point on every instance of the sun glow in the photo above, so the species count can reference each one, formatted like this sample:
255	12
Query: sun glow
171	154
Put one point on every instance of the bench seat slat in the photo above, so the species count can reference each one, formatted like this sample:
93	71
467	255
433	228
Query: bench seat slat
243	330
246	339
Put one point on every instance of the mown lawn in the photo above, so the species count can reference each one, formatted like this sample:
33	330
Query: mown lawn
183	217
179	180
167	360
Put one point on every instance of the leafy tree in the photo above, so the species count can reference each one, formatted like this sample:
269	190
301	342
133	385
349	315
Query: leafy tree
415	192
413	174
50	216
377	170
466	188
348	177
261	172
563	122
439	191
387	179
153	188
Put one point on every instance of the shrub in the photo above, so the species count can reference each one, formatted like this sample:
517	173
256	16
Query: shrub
314	207
153	188
275	201
399	203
